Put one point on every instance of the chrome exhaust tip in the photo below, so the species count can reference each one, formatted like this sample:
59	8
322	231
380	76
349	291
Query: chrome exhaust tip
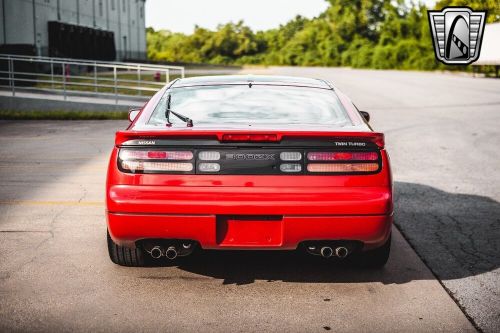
341	252
326	252
171	253
156	252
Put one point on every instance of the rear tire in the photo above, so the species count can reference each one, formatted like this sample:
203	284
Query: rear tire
125	256
376	258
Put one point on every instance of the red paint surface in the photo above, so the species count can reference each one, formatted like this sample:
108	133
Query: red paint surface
372	230
203	207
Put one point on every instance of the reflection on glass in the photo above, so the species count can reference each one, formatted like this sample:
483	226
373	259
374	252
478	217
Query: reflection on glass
259	104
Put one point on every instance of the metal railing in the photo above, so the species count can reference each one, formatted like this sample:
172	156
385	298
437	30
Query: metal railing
73	76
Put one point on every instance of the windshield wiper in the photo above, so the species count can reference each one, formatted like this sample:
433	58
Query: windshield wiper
168	111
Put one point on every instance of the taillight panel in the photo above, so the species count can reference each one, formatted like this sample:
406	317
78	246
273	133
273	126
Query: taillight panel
156	161
291	156
150	166
172	155
342	167
343	162
244	161
342	156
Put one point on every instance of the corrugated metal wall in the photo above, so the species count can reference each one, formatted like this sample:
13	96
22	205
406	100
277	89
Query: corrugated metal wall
26	22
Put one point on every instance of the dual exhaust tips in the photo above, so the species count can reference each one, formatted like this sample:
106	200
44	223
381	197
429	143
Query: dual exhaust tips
327	252
171	252
330	250
157	252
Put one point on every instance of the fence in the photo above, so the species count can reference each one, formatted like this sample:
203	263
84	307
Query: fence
68	76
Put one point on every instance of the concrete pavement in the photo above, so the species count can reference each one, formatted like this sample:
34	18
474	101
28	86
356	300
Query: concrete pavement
55	274
443	137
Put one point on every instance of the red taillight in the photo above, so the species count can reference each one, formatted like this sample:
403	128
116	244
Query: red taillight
342	167
126	154
342	156
157	154
144	161
250	137
343	161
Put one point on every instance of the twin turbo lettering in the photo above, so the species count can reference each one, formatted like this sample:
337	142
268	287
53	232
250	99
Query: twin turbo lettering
350	144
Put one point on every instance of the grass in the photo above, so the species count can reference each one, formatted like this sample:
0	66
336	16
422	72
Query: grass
62	115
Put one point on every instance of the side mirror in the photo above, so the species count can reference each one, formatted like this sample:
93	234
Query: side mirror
133	113
365	115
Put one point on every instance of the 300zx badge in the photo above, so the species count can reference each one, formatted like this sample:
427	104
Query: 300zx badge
259	157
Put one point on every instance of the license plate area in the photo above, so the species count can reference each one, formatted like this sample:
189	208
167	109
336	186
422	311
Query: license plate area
249	231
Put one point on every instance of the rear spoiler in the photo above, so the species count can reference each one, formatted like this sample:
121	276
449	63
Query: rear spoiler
264	136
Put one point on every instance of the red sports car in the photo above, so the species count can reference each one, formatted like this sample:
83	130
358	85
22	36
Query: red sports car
249	163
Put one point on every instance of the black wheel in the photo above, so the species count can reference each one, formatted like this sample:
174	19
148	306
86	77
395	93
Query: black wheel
125	256
375	258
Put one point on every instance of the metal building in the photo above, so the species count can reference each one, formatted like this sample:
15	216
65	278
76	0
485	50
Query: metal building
85	29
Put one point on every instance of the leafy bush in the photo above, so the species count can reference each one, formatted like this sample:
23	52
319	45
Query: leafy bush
380	34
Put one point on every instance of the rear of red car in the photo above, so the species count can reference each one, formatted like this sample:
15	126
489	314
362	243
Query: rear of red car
171	189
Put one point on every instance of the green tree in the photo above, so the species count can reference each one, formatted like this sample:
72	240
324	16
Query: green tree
358	33
492	6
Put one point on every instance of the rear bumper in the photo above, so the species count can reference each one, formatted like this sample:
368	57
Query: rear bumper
249	217
213	200
283	234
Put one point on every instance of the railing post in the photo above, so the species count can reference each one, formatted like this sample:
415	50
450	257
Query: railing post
139	81
116	91
64	79
167	76
11	76
95	77
52	73
182	72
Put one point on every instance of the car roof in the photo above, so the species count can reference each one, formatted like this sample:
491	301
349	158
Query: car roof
254	79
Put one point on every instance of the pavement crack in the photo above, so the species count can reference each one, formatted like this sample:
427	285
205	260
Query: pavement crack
84	193
42	242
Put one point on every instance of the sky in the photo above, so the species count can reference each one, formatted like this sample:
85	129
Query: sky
183	15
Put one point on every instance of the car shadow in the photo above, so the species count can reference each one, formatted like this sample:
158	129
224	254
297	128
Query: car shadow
456	235
246	267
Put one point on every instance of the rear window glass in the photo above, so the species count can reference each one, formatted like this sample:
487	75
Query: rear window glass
258	104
